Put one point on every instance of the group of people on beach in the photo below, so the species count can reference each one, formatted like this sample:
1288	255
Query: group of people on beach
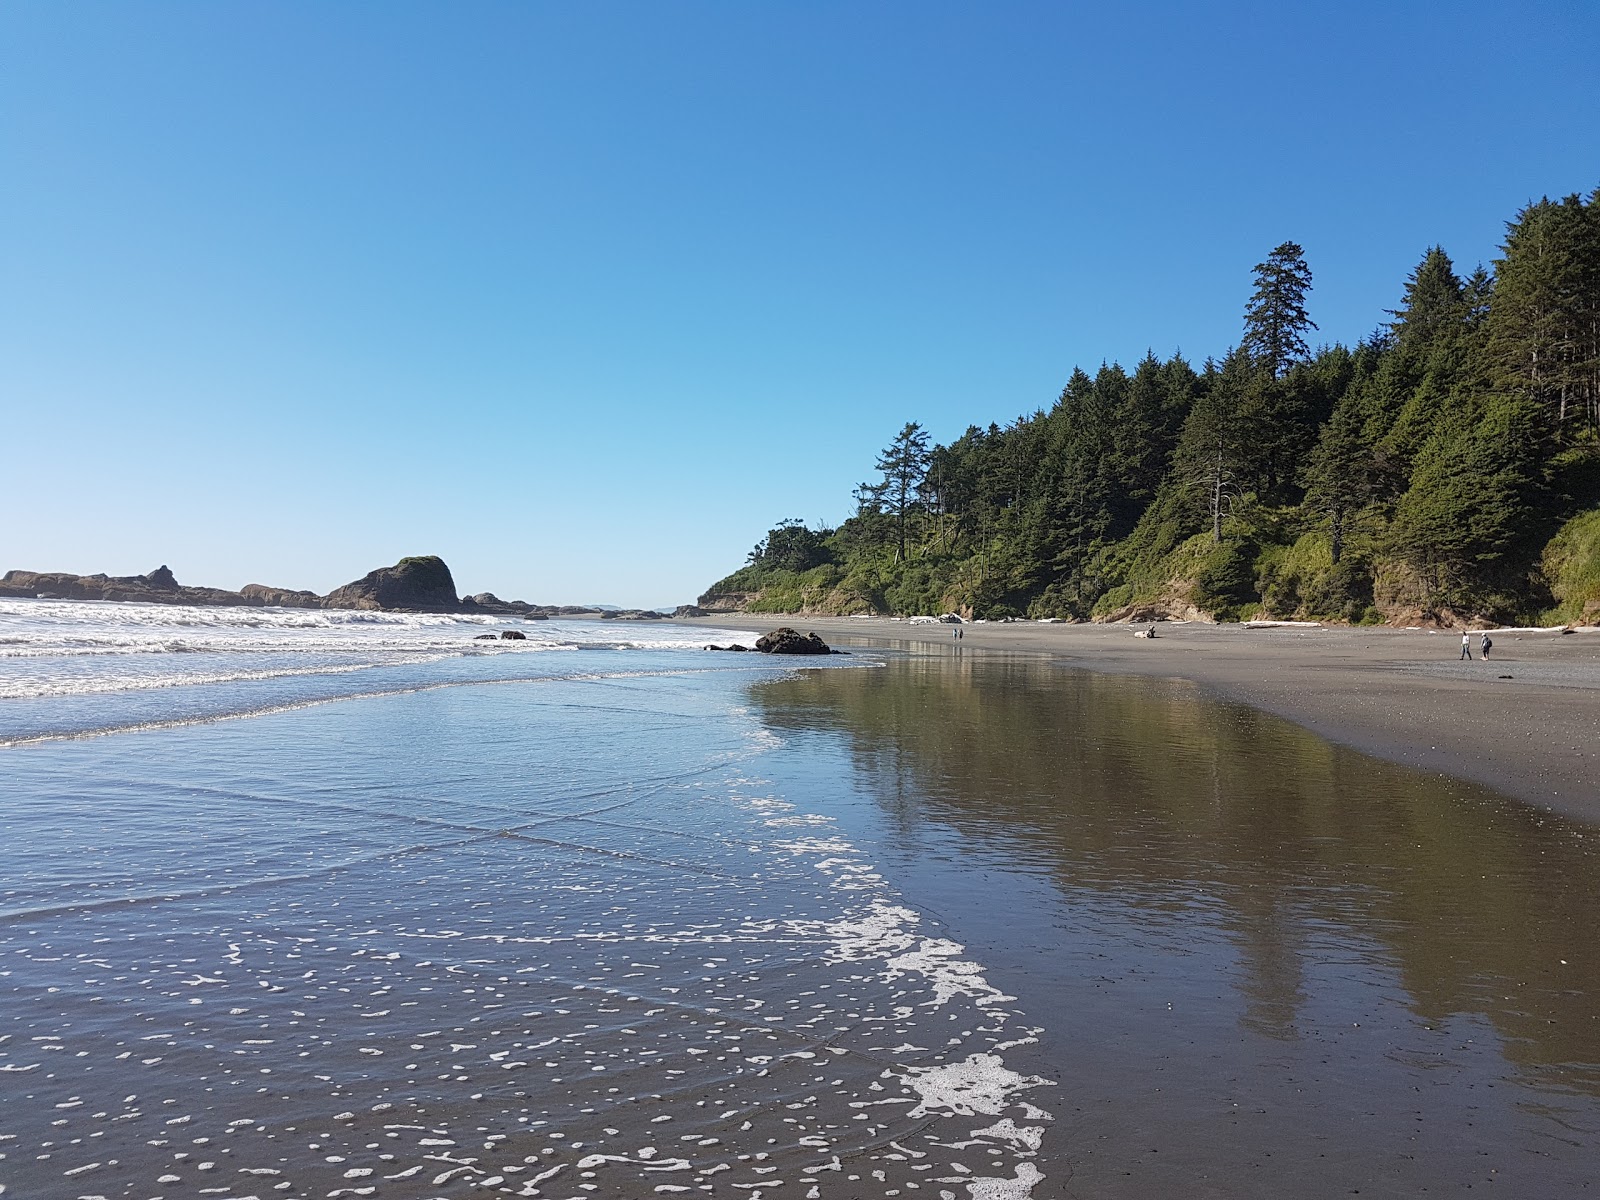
1485	644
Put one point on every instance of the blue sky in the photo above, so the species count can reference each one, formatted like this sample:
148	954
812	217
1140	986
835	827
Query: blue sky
585	297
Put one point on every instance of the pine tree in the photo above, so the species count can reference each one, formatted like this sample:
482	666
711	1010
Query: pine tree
905	466
1144	435
1341	475
1475	497
1543	326
1434	306
1275	320
1212	454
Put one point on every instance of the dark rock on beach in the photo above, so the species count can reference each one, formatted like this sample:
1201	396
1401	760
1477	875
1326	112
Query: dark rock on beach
513	635
734	648
790	641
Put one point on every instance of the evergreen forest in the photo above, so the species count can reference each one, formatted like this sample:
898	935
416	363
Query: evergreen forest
1444	469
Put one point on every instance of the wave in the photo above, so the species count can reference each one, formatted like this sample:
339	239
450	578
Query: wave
38	628
239	711
103	612
46	687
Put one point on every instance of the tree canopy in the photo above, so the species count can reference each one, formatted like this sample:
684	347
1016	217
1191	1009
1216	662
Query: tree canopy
1419	473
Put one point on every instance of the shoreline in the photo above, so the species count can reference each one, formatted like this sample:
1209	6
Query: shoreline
1400	695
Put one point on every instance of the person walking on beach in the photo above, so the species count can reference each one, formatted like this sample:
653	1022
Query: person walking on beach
1484	643
1466	647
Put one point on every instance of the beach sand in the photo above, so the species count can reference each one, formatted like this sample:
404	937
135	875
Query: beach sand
1526	723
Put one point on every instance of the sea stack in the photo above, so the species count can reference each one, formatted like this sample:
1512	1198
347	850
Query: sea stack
422	584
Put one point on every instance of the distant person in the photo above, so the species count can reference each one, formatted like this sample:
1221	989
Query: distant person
1466	647
1485	643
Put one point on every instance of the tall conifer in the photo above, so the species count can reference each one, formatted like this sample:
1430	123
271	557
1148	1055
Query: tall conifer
1275	321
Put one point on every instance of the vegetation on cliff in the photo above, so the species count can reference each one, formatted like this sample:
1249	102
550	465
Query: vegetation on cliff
1446	467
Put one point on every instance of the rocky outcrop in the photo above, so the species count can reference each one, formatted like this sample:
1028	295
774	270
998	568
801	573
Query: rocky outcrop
791	641
1159	610
688	610
158	587
513	635
272	597
724	602
488	602
422	584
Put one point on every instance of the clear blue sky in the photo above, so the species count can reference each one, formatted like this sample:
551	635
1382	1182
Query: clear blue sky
585	296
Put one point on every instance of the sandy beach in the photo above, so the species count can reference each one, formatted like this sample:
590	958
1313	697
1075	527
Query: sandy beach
1526	723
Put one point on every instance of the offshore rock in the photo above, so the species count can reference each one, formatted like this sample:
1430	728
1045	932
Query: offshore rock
488	602
274	597
411	585
158	587
513	635
422	584
790	641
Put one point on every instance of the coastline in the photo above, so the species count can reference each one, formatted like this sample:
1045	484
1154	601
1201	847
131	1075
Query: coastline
1401	695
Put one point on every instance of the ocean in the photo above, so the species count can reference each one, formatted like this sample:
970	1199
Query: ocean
302	903
348	904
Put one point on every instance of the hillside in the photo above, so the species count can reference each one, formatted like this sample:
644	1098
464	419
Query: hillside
1444	469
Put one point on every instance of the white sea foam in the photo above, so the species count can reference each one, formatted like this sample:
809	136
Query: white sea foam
85	648
980	1083
887	934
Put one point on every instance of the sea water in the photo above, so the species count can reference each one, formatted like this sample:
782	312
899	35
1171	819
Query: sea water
348	904
320	904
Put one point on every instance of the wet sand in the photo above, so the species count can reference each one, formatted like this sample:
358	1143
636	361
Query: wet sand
1526	723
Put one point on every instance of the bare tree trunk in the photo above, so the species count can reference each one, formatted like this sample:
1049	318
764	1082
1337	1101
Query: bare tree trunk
1216	502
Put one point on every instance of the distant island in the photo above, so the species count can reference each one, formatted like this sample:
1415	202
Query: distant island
419	584
1444	470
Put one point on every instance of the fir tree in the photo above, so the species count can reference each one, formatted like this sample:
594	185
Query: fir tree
905	466
1275	321
1341	473
1434	306
1213	453
1543	326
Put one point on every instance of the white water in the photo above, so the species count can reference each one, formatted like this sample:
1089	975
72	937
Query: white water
55	648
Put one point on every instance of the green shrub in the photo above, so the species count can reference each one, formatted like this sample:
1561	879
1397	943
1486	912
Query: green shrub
1571	566
1227	578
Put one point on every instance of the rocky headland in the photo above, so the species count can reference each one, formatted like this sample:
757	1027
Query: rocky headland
418	584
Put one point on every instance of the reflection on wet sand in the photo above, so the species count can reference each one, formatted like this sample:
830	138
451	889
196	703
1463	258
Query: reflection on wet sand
1304	910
